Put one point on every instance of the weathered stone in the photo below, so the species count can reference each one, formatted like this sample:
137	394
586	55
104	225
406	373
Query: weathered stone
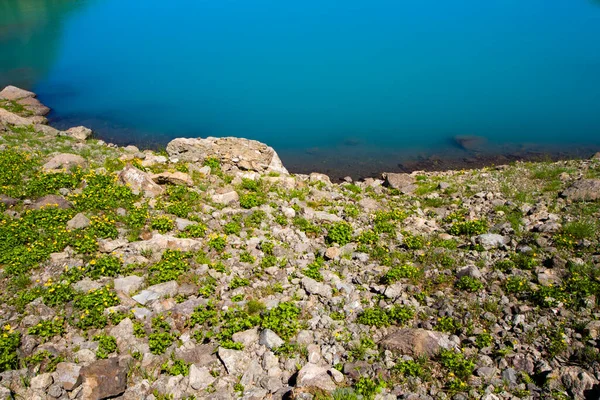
79	132
492	240
51	200
79	221
332	253
470	271
317	177
174	178
8	201
47	130
235	361
416	342
14	119
159	243
312	375
64	161
404	183
200	378
226	198
580	383
247	154
313	287
270	339
104	379
129	284
41	382
583	190
140	182
247	337
67	375
110	245
593	329
123	333
34	106
14	93
200	355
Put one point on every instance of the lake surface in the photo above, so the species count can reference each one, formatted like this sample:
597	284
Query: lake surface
357	86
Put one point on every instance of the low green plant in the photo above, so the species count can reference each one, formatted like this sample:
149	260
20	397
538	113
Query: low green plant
175	367
339	232
405	271
48	328
104	266
173	263
282	320
457	363
106	345
217	243
313	270
448	324
9	343
469	228
163	224
469	284
193	231
237	282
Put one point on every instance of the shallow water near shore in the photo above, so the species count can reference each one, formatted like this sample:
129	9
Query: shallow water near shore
344	88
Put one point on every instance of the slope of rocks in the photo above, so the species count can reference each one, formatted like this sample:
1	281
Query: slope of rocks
209	272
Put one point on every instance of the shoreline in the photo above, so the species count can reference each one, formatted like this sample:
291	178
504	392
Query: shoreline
360	164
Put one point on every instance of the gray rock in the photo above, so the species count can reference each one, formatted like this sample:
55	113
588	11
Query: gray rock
270	339
405	183
14	93
471	271
578	382
14	119
51	200
67	375
246	337
146	296
64	161
54	391
79	221
174	178
200	355
486	372
235	361
123	333
246	154
140	182
583	190
313	287
79	132
492	240
86	284
41	382
416	342
200	378
509	376
593	329
314	376
128	284
226	198
332	253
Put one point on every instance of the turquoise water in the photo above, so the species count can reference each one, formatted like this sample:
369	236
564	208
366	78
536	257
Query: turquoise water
329	84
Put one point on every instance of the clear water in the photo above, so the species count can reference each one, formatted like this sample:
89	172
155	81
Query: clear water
329	84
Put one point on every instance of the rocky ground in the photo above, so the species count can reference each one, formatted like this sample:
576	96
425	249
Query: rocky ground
206	271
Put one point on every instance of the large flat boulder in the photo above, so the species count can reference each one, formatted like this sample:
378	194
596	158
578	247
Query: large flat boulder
14	93
583	190
140	182
416	342
244	153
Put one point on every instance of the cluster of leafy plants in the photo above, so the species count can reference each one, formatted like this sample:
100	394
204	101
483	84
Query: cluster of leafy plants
379	317
90	308
339	232
405	271
469	228
106	345
161	338
172	264
313	270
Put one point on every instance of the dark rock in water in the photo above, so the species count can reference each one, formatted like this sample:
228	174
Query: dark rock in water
351	142
470	142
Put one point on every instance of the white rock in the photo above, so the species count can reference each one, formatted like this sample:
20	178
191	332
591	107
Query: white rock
270	339
200	378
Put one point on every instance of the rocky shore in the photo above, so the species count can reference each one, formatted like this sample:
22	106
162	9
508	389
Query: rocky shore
207	271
